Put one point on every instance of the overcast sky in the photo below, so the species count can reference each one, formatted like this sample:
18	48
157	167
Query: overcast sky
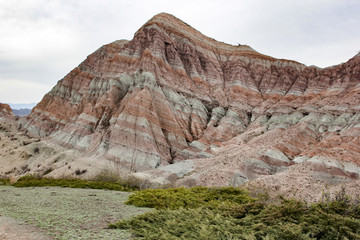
42	40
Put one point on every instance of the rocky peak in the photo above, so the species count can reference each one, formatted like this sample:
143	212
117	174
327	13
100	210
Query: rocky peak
171	24
174	26
172	94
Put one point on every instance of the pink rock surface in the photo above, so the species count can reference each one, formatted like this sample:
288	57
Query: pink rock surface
171	94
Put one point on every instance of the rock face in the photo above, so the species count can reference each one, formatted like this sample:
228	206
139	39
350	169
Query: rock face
5	110
172	94
6	114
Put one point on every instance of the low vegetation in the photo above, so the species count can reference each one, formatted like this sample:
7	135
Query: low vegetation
175	198
229	213
4	181
66	213
222	213
36	181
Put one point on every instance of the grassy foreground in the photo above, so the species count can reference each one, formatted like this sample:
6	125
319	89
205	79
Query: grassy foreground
229	213
212	213
69	208
68	213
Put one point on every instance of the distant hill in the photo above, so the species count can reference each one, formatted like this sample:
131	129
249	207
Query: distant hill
22	112
22	109
19	106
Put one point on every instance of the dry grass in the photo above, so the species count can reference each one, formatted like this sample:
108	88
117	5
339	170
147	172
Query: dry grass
66	213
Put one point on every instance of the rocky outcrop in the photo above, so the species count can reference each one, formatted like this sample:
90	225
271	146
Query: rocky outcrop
6	115
172	94
5	110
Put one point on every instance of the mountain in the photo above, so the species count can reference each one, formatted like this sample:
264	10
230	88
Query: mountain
176	106
21	109
22	112
22	105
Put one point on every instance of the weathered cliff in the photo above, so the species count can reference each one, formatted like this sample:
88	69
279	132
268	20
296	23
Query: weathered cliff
172	94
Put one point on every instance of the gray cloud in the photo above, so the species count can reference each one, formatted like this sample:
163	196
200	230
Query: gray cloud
41	41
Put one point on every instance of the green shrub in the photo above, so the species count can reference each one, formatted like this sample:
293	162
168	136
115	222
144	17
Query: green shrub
174	198
228	213
4	181
35	181
199	223
311	221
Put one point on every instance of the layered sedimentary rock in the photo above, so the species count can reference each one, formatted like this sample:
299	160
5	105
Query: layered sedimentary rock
6	113
172	94
5	109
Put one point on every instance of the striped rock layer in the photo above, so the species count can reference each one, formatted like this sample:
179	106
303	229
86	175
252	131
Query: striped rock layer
6	112
172	94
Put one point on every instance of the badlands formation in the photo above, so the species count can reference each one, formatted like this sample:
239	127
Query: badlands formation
175	107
